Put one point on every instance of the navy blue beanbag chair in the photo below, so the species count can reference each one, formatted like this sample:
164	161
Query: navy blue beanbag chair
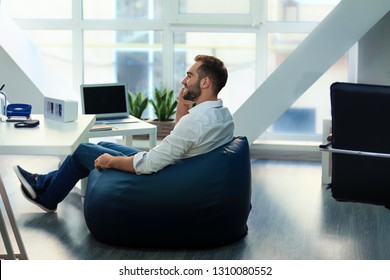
203	201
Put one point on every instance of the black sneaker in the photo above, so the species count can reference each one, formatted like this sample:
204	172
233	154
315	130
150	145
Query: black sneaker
28	181
28	184
36	201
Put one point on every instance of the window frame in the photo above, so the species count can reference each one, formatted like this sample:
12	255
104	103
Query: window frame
171	22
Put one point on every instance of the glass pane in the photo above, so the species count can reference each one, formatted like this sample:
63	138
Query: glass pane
280	45
132	57
306	114
237	50
300	10
42	9
124	9
56	47
214	7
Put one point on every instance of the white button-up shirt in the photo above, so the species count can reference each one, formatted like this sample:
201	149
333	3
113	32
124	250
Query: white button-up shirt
207	126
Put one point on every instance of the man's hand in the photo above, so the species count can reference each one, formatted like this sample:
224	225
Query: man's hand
182	105
122	163
103	161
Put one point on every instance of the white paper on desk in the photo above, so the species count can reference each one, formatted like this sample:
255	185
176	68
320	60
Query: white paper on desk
101	127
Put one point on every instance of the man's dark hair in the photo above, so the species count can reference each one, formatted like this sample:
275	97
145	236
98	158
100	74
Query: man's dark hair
214	69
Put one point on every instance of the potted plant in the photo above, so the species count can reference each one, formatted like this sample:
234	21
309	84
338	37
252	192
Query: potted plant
137	104
164	105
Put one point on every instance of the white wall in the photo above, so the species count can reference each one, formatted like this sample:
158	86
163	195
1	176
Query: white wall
24	71
374	54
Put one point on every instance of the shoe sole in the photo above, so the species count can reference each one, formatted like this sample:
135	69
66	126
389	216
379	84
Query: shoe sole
36	203
26	185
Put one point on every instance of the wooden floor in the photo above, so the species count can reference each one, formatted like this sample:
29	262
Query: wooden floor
293	217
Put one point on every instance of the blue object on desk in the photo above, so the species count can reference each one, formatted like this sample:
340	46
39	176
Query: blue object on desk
19	110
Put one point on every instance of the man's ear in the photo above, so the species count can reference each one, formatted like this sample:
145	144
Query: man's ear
205	82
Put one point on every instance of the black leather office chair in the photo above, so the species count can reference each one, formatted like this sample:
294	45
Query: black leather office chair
360	143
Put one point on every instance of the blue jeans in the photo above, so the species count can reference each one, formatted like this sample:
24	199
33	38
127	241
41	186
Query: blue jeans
53	187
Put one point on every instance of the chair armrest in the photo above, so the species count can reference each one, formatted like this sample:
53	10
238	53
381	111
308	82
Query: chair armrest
325	148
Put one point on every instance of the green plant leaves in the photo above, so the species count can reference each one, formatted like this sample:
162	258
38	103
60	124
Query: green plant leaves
164	104
137	104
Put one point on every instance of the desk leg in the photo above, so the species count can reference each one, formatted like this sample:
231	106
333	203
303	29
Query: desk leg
152	140
14	226
6	240
128	141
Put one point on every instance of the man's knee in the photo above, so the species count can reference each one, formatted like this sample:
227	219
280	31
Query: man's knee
85	146
103	143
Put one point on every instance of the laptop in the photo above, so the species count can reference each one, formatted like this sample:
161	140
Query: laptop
109	102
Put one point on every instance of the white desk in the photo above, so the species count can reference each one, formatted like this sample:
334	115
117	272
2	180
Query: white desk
127	130
56	138
49	138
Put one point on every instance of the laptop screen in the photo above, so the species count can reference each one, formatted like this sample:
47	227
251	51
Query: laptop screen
106	101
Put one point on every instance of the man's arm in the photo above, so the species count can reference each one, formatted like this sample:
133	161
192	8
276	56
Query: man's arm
122	163
125	163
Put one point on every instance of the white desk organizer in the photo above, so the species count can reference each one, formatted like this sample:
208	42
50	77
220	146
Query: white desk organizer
60	110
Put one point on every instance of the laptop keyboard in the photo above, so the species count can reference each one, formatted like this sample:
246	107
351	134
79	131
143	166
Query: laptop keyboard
114	121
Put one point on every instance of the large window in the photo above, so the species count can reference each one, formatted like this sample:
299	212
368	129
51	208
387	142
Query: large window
132	57
151	43
304	118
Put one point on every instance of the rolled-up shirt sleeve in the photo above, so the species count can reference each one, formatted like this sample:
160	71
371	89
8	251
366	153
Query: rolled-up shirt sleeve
138	159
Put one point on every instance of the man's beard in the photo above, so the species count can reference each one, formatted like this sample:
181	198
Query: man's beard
193	92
